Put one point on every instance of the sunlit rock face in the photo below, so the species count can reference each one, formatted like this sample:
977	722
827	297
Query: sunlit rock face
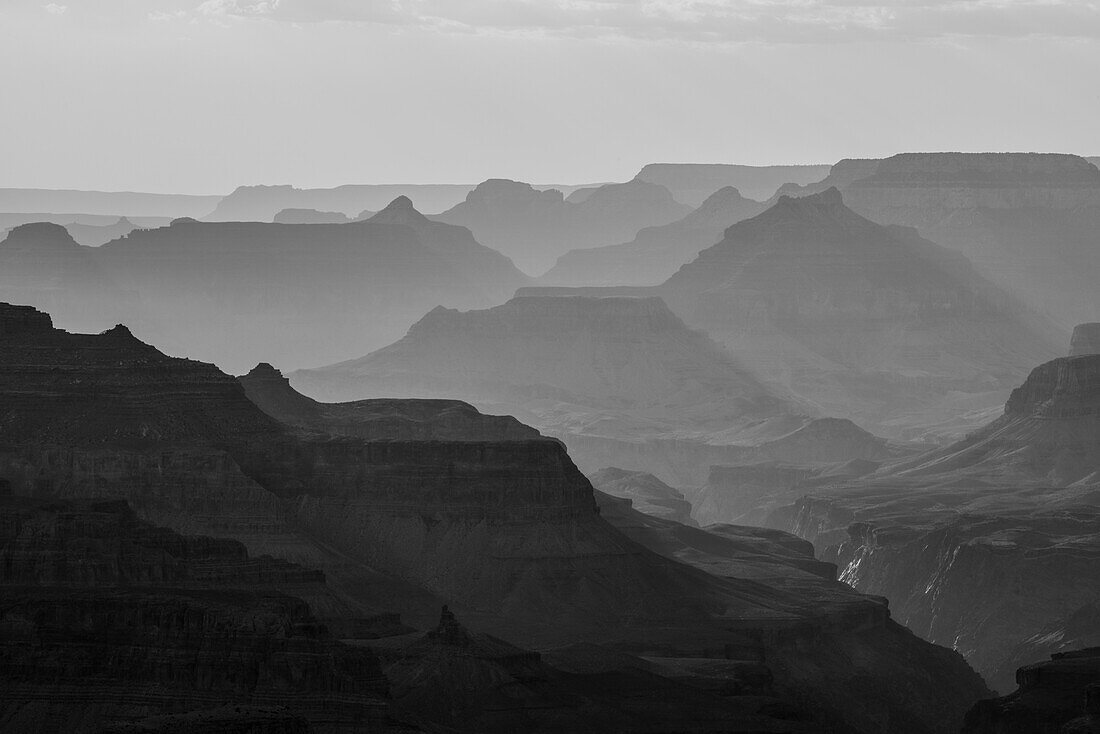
868	322
623	381
535	227
990	545
655	253
237	293
1085	340
508	532
1028	221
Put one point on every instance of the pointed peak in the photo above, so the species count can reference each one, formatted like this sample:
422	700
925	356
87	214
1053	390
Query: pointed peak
400	211
264	369
119	331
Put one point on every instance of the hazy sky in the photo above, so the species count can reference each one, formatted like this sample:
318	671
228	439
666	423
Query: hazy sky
199	96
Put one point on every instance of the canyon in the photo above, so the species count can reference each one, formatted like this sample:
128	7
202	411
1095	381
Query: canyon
504	530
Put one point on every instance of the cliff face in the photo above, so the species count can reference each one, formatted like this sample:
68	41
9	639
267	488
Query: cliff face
110	619
989	545
655	253
535	227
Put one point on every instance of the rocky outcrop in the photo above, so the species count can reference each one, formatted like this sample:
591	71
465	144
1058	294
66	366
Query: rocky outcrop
692	183
645	492
1059	696
655	253
1085	340
110	619
312	216
91	235
534	227
380	418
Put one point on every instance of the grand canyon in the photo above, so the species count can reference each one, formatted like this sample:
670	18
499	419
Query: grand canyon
478	368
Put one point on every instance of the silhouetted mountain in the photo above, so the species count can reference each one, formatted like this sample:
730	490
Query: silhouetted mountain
534	227
508	531
621	380
991	543
41	265
692	183
115	203
91	235
1028	221
262	203
312	216
864	321
656	252
232	292
471	260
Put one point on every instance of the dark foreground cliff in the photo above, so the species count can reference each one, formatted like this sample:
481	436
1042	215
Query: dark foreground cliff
505	530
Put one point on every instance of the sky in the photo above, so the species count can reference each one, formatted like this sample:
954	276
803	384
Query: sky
200	96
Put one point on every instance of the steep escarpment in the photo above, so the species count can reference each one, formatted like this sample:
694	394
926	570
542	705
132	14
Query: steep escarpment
622	381
507	531
656	252
108	620
868	322
534	227
990	545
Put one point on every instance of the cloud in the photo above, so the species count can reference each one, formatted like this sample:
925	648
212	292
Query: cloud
718	21
55	9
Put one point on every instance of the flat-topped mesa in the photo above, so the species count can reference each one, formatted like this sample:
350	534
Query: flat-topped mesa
23	320
405	419
1067	387
1085	340
505	191
984	169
